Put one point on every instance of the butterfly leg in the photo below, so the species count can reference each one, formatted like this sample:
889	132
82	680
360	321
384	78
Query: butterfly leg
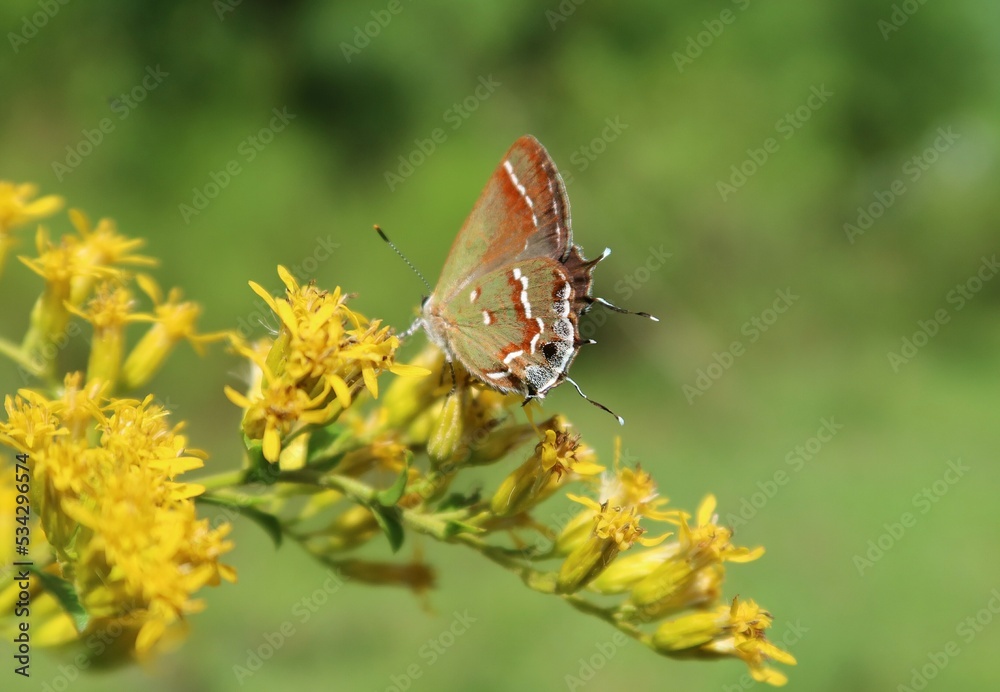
417	324
612	306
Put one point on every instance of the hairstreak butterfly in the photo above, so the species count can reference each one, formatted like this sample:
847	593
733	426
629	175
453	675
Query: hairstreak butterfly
511	293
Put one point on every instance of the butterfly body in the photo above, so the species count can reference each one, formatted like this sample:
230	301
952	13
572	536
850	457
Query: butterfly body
509	299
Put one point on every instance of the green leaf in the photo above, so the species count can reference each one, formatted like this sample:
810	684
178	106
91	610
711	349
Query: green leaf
391	495
327	446
453	527
459	501
388	519
268	522
65	593
261	470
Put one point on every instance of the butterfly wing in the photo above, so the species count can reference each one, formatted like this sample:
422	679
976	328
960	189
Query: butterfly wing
515	327
523	212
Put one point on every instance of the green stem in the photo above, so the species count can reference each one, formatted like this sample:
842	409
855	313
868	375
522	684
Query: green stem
20	357
222	480
437	526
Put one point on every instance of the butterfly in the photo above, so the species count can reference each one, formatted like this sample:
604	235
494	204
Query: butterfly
507	305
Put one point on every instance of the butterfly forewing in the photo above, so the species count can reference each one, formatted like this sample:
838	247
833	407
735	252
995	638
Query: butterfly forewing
522	212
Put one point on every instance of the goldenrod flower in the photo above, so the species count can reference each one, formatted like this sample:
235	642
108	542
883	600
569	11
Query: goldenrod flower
116	527
173	320
108	311
622	488
614	529
727	631
323	357
71	268
62	266
122	525
558	458
691	574
102	246
17	208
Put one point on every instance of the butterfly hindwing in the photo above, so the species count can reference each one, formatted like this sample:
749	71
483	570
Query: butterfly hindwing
514	327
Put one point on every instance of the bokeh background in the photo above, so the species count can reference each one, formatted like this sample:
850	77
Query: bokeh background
646	107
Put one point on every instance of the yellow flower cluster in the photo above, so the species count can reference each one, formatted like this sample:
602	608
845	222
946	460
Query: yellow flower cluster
324	355
332	470
119	549
456	423
122	527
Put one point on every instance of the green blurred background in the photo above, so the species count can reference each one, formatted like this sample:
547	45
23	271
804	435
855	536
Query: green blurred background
692	89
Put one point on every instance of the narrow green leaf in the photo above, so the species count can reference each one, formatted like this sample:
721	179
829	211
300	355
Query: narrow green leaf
388	518
453	527
65	594
327	446
391	495
261	470
268	522
459	501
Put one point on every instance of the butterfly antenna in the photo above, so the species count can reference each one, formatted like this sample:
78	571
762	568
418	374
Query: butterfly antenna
621	421
403	257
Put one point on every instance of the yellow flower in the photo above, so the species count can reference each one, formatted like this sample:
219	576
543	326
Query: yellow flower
108	311
122	525
173	320
62	267
323	357
17	207
691	574
615	529
727	631
626	488
635	488
556	459
70	269
102	246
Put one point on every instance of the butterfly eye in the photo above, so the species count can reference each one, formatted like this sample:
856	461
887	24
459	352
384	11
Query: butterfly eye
423	301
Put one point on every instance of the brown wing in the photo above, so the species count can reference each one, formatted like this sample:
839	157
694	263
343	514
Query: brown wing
523	212
515	328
